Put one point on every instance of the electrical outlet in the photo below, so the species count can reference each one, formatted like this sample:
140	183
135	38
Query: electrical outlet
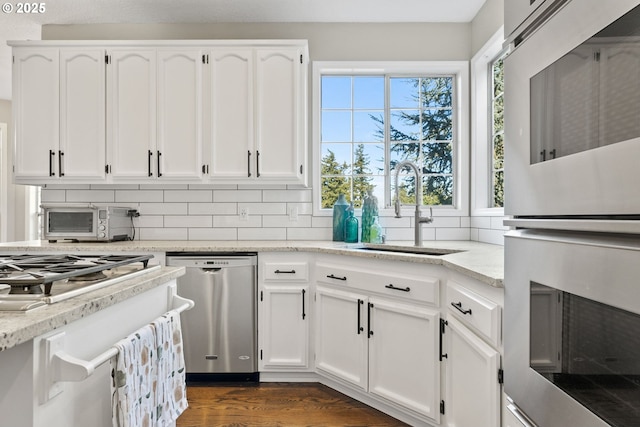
293	214
244	214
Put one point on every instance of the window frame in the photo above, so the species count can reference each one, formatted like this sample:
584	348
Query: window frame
482	144
461	144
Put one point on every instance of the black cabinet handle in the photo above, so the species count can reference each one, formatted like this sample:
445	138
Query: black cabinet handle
258	163
543	155
553	153
443	323
370	306
249	163
331	276
458	306
159	173
51	156
303	313
149	162
360	328
285	272
60	162
395	288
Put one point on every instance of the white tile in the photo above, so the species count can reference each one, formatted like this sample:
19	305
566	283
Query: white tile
262	234
67	186
237	195
149	221
213	208
309	233
115	186
213	234
322	222
465	222
443	221
303	208
495	237
213	187
453	234
497	223
189	221
47	195
163	208
162	186
97	196
480	222
139	196
235	221
264	208
163	234
284	221
474	234
392	222
287	195
188	196
407	234
262	186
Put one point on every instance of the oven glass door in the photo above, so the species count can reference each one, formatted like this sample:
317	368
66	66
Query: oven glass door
71	223
572	328
572	113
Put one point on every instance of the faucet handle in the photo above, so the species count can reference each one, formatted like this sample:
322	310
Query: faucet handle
397	207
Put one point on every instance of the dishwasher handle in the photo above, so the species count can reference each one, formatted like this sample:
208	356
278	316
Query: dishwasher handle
211	270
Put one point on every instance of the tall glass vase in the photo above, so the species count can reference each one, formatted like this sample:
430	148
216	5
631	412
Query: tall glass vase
339	214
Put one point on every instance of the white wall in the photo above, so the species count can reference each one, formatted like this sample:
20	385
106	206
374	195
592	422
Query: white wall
196	212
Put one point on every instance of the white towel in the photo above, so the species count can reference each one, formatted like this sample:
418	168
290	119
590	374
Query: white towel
171	388
149	387
134	374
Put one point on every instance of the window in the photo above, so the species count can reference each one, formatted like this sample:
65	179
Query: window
496	116
367	122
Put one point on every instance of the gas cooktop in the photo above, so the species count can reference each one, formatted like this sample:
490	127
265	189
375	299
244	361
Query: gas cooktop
36	280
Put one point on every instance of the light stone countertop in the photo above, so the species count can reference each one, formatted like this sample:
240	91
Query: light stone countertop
481	261
19	327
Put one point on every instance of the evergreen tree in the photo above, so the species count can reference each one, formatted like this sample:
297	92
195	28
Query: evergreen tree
361	182
333	180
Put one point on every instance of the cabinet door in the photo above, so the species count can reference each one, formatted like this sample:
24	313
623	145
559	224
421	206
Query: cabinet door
231	112
36	112
280	110
341	332
473	391
131	113
403	356
179	146
82	114
284	327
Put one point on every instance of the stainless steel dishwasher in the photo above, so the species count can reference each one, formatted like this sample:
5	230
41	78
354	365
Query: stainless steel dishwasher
220	332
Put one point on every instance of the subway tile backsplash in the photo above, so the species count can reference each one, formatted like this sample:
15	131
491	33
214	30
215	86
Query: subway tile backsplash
215	212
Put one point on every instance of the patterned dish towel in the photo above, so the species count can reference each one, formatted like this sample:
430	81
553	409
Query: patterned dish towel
149	387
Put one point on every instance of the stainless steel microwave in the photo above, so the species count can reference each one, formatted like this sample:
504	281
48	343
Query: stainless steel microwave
87	222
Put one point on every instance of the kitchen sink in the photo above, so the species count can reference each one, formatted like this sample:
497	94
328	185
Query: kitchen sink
419	250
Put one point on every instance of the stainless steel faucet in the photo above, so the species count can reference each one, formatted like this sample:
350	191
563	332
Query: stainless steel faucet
419	219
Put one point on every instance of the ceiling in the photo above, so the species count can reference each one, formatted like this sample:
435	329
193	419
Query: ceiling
14	26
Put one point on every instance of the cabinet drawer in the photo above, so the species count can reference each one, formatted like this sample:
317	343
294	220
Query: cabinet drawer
286	271
475	311
396	284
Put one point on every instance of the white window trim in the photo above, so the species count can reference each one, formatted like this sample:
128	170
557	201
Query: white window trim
458	68
481	153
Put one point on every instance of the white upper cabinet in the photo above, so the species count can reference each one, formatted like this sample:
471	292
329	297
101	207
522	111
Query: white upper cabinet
82	114
280	111
179	144
59	102
231	114
131	116
175	111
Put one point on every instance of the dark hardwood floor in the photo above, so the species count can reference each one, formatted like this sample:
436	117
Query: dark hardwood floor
277	405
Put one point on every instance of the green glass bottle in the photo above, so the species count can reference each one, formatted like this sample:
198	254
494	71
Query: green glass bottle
376	231
369	212
339	213
351	226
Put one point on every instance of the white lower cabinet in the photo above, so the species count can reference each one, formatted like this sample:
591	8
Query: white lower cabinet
376	334
283	313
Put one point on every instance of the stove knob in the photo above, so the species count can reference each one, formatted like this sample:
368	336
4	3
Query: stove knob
101	228
101	235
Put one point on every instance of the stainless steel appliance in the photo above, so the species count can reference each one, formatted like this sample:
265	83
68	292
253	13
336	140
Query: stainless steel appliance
572	144
37	280
87	222
220	332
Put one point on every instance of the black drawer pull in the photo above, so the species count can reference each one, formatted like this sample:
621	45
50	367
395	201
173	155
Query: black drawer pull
395	288
331	276
458	306
285	272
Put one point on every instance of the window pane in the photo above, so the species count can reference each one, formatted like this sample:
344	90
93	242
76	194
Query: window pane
498	151
336	92
372	157
368	126
400	152
498	189
336	159
437	157
405	125
498	114
436	91
332	186
438	190
437	125
407	188
404	92
336	126
368	93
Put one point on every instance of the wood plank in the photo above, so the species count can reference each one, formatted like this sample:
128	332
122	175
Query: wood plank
277	405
